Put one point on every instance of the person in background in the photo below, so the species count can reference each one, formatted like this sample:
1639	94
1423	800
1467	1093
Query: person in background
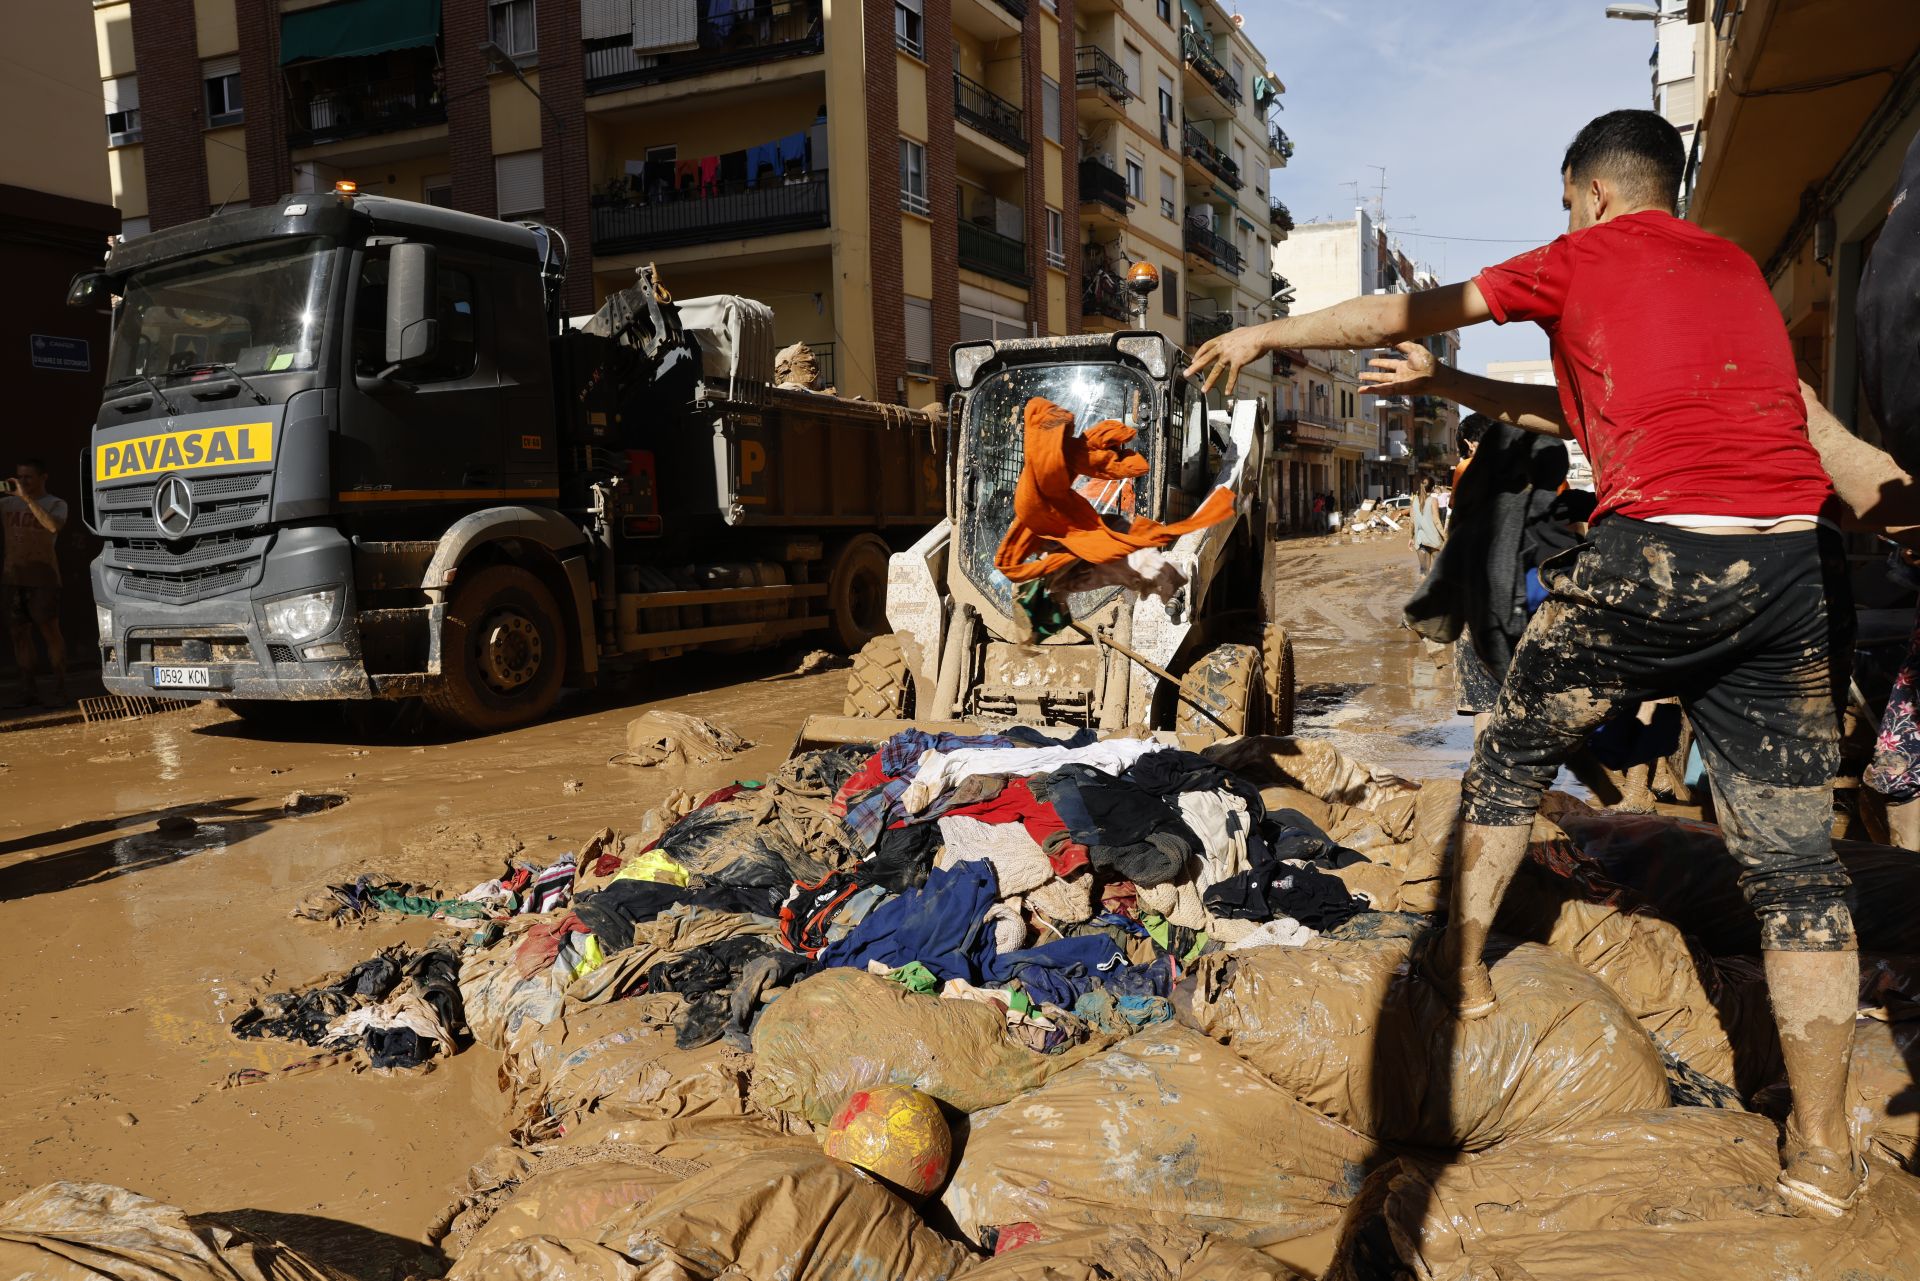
1426	537
30	580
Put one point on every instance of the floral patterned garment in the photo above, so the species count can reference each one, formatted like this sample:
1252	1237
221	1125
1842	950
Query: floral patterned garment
1895	770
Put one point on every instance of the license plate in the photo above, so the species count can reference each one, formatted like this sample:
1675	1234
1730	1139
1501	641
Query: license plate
181	678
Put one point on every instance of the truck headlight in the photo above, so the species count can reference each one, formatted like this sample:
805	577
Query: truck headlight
298	618
103	618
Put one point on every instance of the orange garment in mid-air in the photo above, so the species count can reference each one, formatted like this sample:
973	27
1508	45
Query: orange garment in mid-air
1048	512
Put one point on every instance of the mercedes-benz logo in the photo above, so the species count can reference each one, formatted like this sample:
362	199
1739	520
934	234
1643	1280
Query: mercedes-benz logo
173	507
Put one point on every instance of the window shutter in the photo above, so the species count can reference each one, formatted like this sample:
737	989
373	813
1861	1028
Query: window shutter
214	68
604	19
919	332
123	94
1050	108
519	181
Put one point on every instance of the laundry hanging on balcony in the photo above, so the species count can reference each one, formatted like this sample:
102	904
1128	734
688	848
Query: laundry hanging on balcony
358	28
666	26
1264	92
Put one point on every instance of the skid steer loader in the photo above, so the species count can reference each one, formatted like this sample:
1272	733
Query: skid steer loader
1205	664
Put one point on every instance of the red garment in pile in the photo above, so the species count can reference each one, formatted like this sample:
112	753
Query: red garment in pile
1016	803
542	944
1049	511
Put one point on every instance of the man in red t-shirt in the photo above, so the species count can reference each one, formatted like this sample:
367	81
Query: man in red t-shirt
1713	575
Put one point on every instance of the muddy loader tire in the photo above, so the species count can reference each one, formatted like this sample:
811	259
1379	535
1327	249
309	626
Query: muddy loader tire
1230	680
502	653
1276	664
857	592
880	684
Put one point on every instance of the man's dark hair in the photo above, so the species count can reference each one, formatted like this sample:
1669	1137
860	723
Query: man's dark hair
1637	150
38	464
1472	428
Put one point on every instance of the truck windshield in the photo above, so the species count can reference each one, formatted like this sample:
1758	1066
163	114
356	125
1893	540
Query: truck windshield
993	451
259	308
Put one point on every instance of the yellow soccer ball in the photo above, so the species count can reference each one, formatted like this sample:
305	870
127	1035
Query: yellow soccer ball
895	1132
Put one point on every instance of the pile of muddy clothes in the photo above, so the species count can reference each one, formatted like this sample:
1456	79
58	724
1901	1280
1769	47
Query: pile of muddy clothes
1170	1005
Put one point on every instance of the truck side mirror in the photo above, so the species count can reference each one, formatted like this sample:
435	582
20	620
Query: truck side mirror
89	289
413	313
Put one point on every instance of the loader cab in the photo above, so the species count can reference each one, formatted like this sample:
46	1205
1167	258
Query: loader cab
1132	377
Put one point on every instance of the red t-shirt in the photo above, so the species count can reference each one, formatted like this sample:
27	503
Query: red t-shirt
1674	369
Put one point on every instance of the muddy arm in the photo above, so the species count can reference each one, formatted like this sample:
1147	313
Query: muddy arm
1871	484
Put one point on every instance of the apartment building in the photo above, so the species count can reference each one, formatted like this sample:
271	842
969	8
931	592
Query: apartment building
891	176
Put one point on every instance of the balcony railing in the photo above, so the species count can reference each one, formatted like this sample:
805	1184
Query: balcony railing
992	254
1279	216
1103	294
1201	59
1428	407
1201	328
975	104
1305	427
1094	68
329	114
1100	185
730	35
1278	142
1018	8
1198	146
766	210
1213	247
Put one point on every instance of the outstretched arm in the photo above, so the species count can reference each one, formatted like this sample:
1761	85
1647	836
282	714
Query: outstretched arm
1375	320
1873	486
1414	372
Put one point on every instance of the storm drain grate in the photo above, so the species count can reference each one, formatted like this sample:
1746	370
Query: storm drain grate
121	707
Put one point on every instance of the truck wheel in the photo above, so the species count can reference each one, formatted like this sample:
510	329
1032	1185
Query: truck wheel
501	655
857	592
1276	661
880	686
1229	680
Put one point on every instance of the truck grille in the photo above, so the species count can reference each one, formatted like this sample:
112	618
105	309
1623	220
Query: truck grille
220	503
189	570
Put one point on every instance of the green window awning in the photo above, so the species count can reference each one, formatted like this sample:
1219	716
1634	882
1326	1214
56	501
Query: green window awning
357	28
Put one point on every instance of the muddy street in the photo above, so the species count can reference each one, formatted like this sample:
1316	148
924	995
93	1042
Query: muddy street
148	869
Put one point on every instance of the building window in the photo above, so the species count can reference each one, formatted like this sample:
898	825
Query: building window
133	228
908	26
438	190
1169	196
1056	240
1050	108
1130	63
1165	9
224	104
913	178
1239	71
919	336
1170	292
1136	177
511	24
1166	96
520	186
123	110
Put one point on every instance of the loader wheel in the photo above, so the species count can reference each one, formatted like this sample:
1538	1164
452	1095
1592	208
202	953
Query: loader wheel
1276	661
857	592
880	686
1230	681
502	654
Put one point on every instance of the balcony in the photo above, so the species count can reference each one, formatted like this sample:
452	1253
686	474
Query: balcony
337	99
1018	8
1309	430
1100	185
1198	148
1202	328
767	210
1201	62
992	254
1430	407
1104	296
730	35
1280	218
1212	248
1102	83
1279	144
978	106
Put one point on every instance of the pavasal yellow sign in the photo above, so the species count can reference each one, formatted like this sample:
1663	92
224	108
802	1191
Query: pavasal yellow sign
184	451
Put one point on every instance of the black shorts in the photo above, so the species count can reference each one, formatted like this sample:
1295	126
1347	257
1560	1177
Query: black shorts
1753	633
26	605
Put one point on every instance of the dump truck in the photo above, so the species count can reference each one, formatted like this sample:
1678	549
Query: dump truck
351	448
1205	662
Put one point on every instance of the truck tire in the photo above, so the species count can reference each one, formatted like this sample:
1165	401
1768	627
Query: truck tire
1230	681
1276	662
502	655
857	592
880	684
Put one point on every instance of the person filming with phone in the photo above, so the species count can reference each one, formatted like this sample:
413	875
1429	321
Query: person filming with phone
30	579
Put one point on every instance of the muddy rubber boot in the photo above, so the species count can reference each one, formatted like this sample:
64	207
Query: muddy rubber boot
1814	997
1489	856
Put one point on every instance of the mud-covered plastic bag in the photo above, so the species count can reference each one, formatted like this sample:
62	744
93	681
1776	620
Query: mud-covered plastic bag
1681	1194
1343	1027
568	1201
795	1214
1883	1090
617	1066
674	738
1144	1253
1166	1128
547	1258
79	1231
844	1030
1682	869
1313	765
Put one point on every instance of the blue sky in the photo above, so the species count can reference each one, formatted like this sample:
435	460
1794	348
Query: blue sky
1468	103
